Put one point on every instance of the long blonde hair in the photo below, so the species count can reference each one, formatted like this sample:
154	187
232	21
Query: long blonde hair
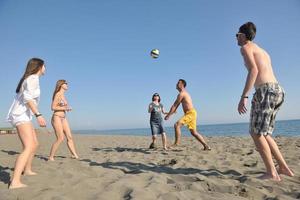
59	83
33	66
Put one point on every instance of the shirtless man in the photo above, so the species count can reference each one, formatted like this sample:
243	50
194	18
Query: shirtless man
266	101
190	116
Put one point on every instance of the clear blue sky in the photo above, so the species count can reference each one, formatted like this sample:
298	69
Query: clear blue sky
102	49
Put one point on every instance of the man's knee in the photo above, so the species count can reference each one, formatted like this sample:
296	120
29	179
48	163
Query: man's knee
256	136
193	132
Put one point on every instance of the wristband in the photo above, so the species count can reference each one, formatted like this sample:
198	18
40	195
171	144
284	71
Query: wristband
244	97
37	115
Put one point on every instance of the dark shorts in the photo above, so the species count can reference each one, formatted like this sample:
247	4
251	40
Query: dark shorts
265	104
157	128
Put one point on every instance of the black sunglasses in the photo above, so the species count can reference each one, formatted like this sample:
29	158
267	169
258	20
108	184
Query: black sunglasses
237	35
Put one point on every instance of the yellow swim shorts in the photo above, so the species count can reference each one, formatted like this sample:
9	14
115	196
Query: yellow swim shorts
189	119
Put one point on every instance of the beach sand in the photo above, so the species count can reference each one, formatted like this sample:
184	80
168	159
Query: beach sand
122	167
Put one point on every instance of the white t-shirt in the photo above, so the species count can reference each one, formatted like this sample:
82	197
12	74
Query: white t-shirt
29	91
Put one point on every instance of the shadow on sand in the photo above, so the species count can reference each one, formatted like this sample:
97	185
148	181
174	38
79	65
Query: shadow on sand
122	149
36	155
137	168
4	175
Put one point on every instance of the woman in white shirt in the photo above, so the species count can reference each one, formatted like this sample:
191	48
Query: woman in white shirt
20	114
59	121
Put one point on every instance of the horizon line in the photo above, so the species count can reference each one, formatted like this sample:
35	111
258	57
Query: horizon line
172	127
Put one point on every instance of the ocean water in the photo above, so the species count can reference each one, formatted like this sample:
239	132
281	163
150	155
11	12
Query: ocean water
283	128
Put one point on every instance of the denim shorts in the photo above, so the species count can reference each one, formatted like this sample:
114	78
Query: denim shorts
265	104
157	128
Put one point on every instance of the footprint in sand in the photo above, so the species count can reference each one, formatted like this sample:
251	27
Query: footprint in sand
251	163
242	192
226	163
250	152
170	181
184	178
127	194
168	162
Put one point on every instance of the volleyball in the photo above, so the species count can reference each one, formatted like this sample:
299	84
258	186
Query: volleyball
154	53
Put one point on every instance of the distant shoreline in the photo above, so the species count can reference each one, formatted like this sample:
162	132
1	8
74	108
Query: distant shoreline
240	129
172	127
282	127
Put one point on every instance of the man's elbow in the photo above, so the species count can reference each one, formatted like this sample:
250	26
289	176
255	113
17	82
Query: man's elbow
254	71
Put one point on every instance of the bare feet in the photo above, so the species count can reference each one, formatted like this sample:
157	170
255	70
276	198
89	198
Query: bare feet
166	148
173	146
51	159
271	177
207	148
16	185
74	157
286	171
29	173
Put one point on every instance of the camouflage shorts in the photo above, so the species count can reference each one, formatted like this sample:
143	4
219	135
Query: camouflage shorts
266	102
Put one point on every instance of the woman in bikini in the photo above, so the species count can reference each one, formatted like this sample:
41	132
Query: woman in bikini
59	121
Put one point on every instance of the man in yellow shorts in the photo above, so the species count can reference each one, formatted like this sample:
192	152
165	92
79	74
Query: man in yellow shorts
190	117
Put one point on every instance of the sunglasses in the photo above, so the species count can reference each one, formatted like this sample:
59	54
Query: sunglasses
237	35
156	95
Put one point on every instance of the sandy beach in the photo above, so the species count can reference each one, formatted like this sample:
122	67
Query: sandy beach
122	167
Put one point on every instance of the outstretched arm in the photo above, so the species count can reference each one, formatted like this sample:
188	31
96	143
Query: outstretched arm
174	106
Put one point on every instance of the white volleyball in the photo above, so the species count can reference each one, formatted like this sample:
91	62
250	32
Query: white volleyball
154	53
